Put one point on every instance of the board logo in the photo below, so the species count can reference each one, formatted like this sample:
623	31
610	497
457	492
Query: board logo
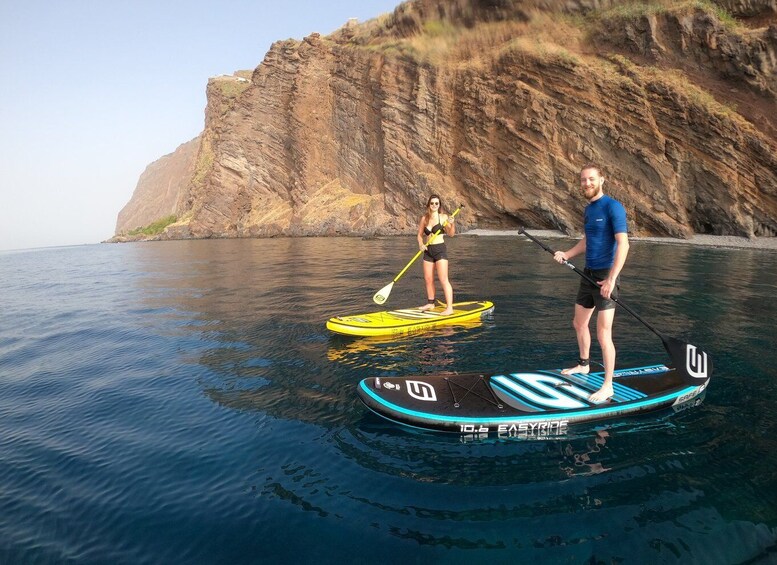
542	390
421	391
695	362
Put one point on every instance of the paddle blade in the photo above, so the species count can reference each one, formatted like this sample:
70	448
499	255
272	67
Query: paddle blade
690	361
382	295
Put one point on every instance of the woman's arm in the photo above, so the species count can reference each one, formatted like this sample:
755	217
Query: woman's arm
421	226
449	227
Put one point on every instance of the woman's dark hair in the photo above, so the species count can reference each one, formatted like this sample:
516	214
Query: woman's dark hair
432	197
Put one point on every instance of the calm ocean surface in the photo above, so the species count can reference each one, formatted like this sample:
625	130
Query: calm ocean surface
183	402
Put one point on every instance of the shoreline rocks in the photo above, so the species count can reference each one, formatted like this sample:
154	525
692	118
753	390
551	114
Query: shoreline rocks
769	243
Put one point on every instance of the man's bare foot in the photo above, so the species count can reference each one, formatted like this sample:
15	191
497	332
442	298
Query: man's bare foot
446	312
426	307
602	395
583	369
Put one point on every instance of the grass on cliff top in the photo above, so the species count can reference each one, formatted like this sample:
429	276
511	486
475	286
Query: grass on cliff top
633	10
546	36
155	227
232	87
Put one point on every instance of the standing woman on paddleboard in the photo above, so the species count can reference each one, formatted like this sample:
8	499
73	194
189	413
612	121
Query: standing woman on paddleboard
435	254
605	244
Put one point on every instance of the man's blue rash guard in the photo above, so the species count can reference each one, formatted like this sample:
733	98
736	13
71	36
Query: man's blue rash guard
603	219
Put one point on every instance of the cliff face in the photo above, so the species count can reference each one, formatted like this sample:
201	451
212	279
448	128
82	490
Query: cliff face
159	188
495	104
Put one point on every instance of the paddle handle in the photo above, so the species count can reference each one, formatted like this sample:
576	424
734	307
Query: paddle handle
618	301
431	237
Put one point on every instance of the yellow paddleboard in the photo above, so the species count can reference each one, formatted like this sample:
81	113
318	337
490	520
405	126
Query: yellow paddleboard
408	320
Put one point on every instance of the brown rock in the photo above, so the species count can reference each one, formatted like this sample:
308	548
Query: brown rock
488	104
157	192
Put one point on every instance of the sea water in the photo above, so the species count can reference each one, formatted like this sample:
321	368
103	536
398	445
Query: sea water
183	402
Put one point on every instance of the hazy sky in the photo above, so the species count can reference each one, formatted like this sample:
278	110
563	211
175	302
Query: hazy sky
93	91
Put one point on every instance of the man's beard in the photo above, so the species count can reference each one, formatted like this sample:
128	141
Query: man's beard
591	192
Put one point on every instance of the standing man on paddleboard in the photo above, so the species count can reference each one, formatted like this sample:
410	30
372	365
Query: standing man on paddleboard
432	225
605	244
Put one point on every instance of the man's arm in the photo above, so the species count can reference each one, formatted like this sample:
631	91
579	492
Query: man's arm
621	252
576	250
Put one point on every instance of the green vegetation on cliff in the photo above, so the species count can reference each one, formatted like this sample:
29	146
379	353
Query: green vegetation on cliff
154	228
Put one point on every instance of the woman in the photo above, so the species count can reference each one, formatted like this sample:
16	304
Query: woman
435	254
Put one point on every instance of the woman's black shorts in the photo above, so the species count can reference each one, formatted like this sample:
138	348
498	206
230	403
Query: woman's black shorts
435	252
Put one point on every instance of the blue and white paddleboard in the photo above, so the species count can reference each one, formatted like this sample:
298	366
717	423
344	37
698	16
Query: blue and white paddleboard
538	403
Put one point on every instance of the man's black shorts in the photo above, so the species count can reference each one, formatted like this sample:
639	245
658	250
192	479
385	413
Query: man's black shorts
590	295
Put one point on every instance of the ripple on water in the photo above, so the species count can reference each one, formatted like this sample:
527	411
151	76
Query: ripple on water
183	402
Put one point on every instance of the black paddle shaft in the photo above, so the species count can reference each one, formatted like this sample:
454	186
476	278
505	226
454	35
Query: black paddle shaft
592	281
692	362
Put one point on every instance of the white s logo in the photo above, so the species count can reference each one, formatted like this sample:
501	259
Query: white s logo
695	363
421	391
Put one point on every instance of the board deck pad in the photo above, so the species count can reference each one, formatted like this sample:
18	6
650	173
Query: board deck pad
527	404
408	320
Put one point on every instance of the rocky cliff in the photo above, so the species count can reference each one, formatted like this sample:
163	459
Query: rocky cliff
494	104
159	188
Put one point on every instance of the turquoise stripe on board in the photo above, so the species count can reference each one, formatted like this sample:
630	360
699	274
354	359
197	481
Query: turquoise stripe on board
571	414
594	381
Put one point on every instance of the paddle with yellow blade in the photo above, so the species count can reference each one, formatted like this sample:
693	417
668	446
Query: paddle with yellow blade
382	295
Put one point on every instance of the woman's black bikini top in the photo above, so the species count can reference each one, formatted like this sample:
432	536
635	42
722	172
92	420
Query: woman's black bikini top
435	228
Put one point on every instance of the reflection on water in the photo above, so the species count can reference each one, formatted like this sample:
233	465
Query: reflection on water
655	488
384	354
584	463
151	388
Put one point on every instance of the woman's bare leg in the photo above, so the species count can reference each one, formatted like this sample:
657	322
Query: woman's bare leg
429	282
442	275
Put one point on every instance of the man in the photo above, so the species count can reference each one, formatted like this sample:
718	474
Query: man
605	244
